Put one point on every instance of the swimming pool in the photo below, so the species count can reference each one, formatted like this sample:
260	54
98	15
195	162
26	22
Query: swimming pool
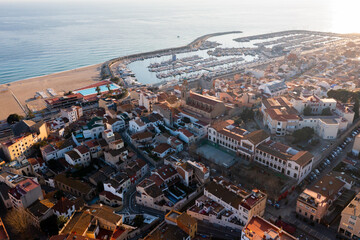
103	88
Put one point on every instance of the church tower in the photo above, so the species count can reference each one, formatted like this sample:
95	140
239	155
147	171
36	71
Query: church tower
185	93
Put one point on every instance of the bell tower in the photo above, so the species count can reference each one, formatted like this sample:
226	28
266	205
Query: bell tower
184	92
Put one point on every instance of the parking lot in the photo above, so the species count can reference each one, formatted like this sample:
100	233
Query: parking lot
333	158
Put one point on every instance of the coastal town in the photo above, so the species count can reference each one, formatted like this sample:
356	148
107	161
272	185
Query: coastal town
257	139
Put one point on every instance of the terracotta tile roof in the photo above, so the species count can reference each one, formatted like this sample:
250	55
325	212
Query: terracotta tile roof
257	136
205	99
302	158
63	205
161	148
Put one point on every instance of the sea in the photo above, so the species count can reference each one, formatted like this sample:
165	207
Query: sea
40	37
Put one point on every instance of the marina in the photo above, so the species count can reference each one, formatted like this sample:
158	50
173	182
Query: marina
216	56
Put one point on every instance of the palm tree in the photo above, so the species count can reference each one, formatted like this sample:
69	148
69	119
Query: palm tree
108	87
98	90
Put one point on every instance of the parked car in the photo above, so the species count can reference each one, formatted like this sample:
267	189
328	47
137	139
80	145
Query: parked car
317	171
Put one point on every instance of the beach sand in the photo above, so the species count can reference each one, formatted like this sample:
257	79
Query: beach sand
60	82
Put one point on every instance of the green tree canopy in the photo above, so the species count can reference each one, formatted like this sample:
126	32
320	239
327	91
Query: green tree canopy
307	111
13	118
326	112
303	134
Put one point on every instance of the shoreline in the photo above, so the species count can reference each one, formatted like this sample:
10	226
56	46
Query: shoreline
23	90
50	74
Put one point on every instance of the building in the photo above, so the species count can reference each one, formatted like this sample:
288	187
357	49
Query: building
93	222
226	134
274	88
3	233
4	196
64	101
236	139
148	99
72	113
167	231
137	125
79	156
39	211
57	150
201	105
118	184
356	146
73	186
185	222
258	228
279	116
162	150
27	133
350	219
94	128
282	158
25	193
228	205
314	202
110	199
64	207
314	103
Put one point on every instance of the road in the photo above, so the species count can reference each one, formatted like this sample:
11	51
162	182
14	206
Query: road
287	211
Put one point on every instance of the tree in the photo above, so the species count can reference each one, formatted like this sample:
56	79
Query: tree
100	187
303	134
326	112
307	111
115	79
138	220
13	118
98	90
356	108
61	220
247	115
68	93
20	223
50	225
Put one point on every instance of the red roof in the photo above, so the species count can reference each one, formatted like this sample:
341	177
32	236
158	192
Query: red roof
63	205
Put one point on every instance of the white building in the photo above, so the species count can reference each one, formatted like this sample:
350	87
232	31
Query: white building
137	125
284	159
316	104
93	128
147	99
274	88
78	156
118	184
228	205
72	113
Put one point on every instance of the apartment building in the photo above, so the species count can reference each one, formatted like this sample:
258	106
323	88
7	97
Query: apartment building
226	134
350	219
148	99
25	193
80	155
72	113
282	158
316	104
258	228
27	133
314	202
283	117
228	205
279	116
274	88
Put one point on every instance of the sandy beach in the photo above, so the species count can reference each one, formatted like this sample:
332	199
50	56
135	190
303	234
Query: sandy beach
60	82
